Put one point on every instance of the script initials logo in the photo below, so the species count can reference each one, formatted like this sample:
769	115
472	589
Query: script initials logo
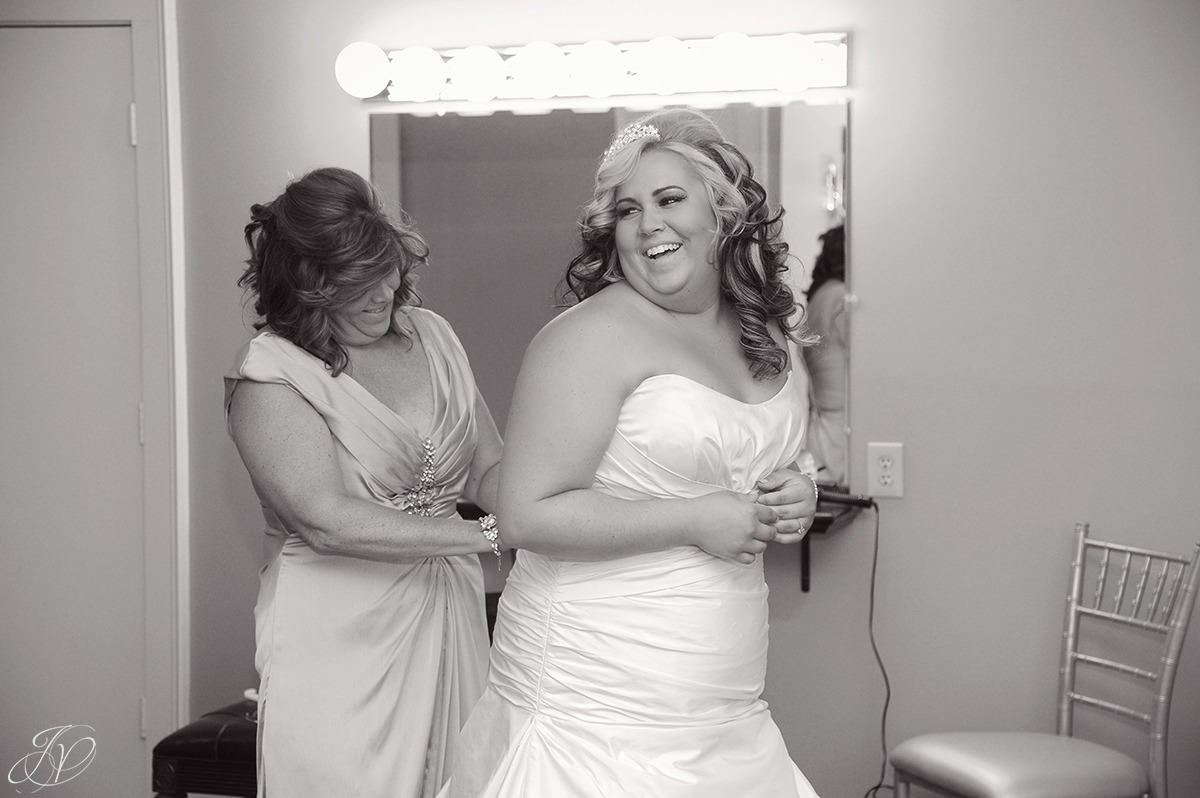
63	752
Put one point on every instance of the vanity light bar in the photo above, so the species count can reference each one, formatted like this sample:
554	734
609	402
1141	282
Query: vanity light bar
595	76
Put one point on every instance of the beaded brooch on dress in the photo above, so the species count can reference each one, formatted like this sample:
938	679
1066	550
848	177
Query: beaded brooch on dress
419	498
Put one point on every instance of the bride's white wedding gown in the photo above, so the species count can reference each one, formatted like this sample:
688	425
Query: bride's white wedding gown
642	676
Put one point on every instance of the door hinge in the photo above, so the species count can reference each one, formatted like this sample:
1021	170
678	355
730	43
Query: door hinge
133	124
142	717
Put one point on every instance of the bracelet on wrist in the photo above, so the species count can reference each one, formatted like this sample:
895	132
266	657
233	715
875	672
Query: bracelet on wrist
491	532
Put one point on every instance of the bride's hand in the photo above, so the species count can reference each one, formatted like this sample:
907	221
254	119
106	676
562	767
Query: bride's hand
793	495
733	526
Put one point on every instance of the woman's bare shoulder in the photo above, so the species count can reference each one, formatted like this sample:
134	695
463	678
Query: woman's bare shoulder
604	333
603	318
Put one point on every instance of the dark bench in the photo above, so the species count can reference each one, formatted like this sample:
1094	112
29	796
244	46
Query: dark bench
214	754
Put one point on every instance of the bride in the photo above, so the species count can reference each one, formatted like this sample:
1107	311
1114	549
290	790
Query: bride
654	428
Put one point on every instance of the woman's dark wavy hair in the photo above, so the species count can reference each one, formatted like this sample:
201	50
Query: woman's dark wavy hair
750	253
831	263
317	247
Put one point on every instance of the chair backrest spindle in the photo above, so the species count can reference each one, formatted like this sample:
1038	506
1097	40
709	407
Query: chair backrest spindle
1156	597
1101	574
1140	588
1168	607
1122	580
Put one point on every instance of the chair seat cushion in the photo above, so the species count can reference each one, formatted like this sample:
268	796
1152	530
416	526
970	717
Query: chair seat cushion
1020	765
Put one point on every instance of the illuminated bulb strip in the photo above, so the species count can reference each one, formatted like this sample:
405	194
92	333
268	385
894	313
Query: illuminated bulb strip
539	77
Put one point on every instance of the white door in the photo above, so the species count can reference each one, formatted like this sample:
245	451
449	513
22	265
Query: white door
72	606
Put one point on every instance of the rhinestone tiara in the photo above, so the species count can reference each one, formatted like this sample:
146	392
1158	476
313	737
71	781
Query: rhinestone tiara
630	133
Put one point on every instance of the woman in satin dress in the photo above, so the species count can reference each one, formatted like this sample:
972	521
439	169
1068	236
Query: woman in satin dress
649	463
826	364
358	419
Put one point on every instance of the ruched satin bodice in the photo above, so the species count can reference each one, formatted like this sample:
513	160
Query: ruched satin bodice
677	438
642	676
673	638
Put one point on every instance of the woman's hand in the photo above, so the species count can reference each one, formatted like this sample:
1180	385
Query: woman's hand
793	495
733	526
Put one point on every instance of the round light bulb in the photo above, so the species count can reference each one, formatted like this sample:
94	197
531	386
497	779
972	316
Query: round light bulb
829	64
362	69
418	74
660	65
476	73
596	69
737	60
794	63
537	70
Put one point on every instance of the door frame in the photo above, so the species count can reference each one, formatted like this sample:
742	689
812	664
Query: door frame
165	506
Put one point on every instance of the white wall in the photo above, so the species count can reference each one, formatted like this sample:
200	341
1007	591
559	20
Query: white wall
1023	242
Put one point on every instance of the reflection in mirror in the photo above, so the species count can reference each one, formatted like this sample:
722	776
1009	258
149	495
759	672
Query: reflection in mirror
498	197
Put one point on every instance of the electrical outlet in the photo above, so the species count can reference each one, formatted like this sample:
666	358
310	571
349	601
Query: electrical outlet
885	469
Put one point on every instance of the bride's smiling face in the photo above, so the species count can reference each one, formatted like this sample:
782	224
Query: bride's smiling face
666	233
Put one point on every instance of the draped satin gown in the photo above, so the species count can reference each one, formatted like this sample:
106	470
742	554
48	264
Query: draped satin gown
367	669
642	676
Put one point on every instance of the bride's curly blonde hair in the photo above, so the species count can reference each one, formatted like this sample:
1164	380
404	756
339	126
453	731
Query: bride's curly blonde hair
750	253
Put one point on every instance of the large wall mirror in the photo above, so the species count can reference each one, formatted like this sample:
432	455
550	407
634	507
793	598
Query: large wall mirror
497	198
